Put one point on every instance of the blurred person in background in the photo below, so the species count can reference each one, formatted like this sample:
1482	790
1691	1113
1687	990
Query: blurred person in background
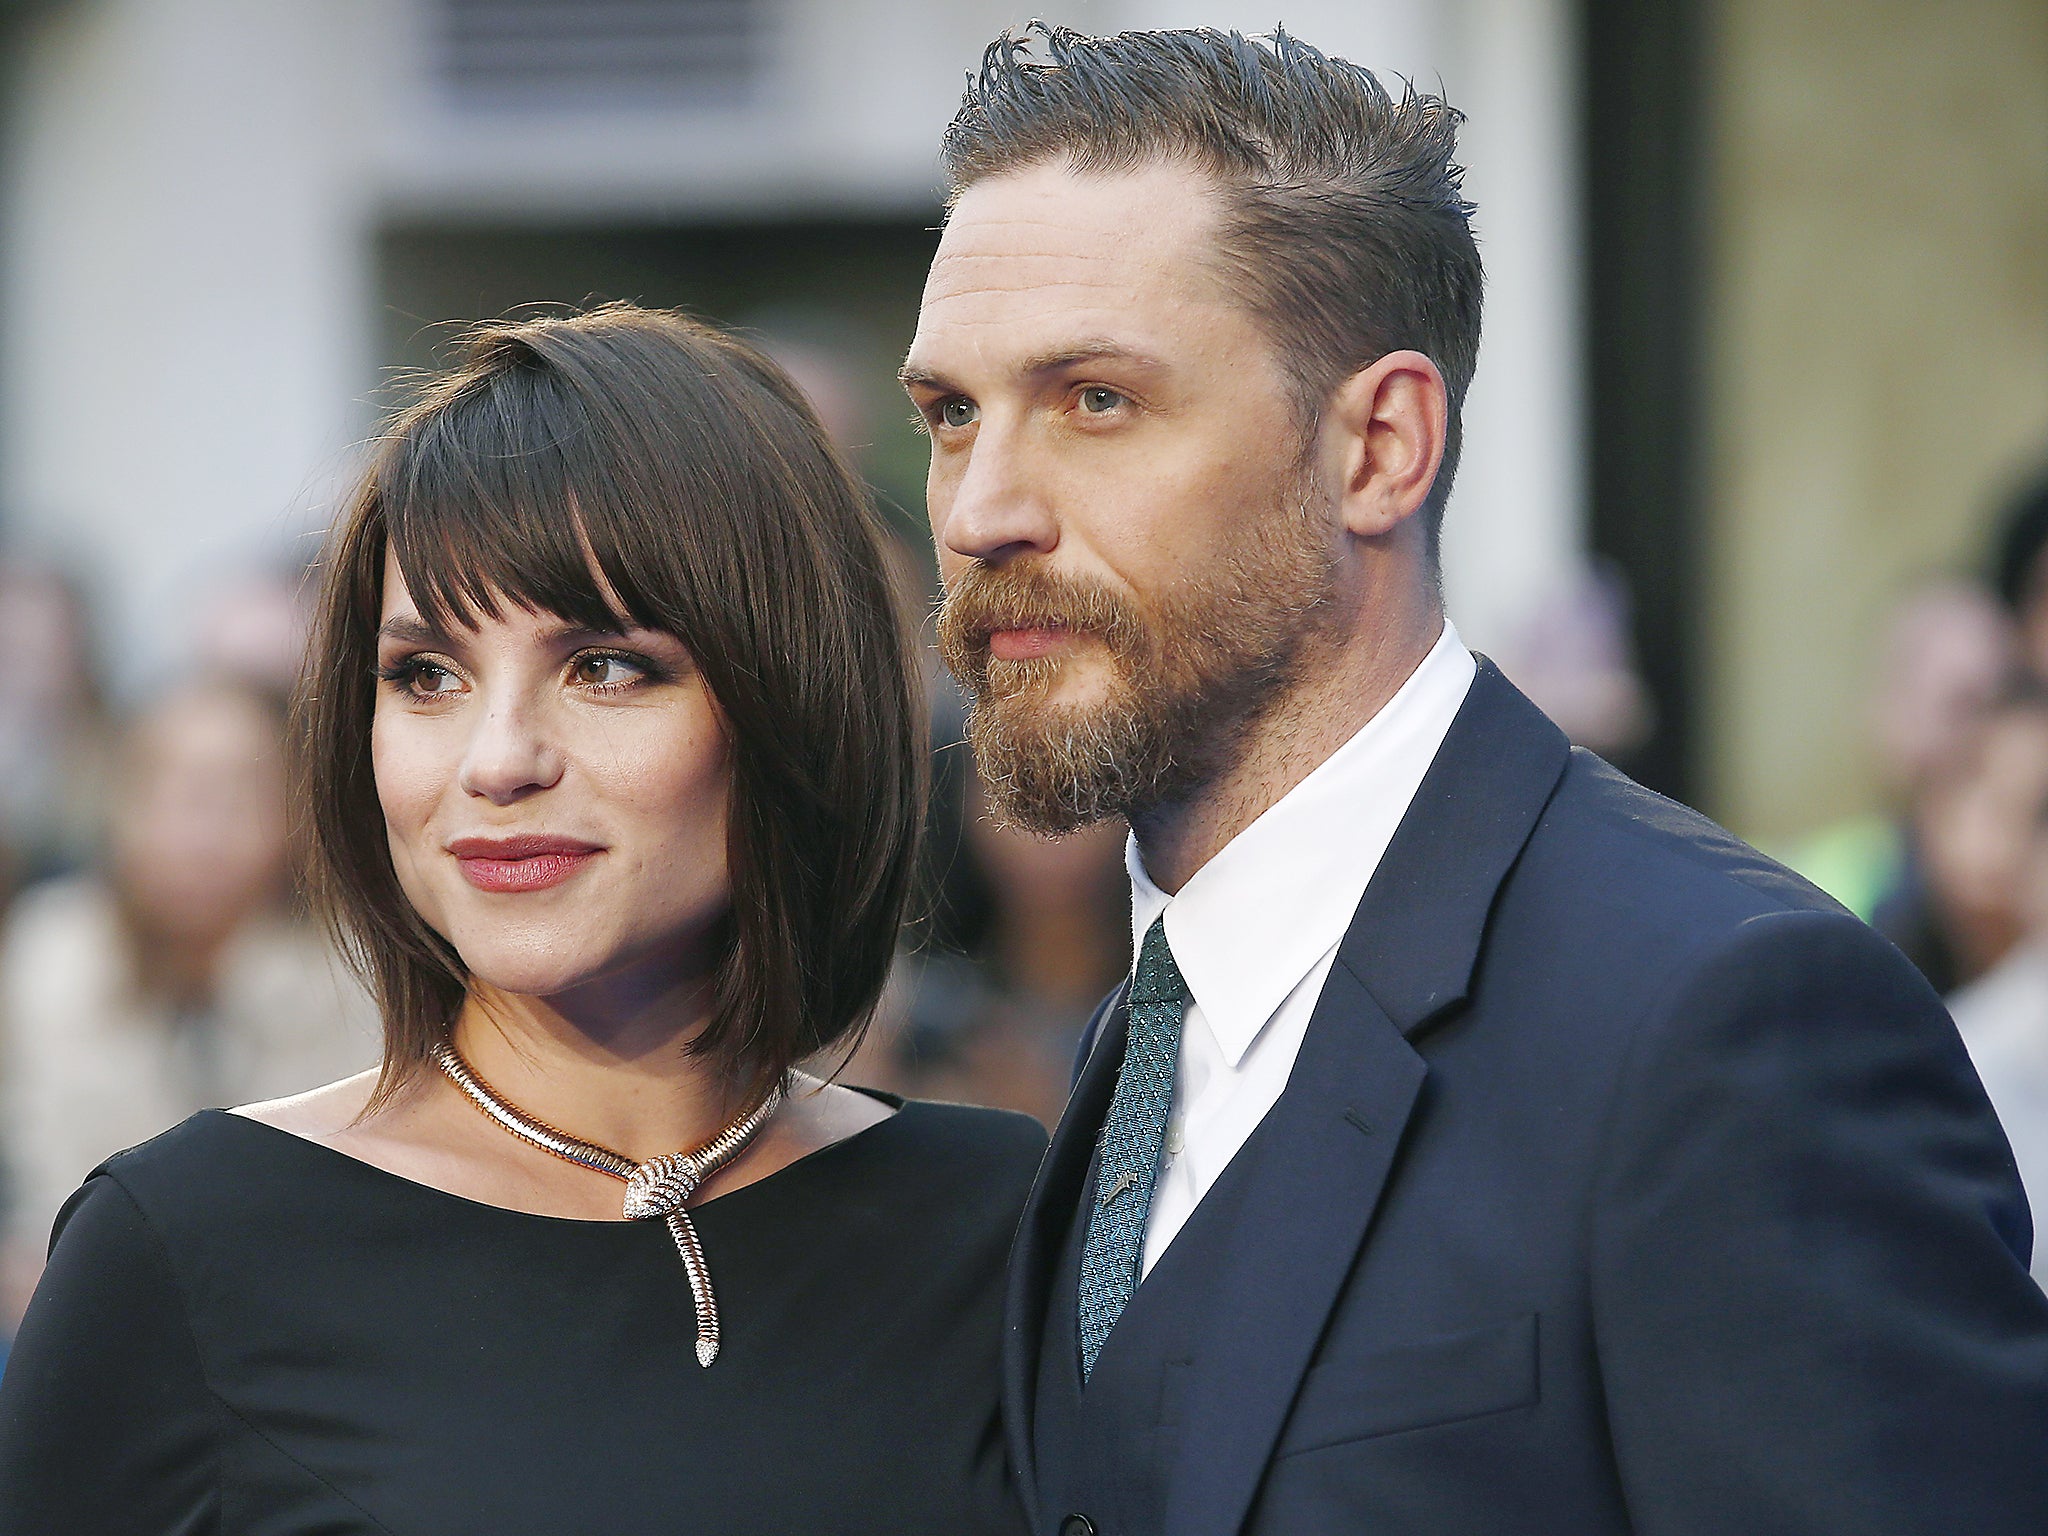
2019	571
1939	877
2003	1015
52	727
1945	652
178	977
1964	781
1575	660
52	757
1971	825
799	344
254	628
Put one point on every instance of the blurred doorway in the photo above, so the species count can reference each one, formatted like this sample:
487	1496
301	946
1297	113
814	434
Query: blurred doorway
1641	143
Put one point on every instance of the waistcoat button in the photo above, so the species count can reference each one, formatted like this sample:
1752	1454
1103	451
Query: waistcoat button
1077	1525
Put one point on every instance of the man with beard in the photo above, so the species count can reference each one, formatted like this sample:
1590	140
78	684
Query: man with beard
1482	1143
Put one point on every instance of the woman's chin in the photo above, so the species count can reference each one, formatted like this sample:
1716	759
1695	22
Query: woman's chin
538	976
575	983
539	989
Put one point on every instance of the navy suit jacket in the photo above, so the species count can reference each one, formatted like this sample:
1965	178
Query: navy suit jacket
1624	1183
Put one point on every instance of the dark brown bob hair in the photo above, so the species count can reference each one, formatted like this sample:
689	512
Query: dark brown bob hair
634	467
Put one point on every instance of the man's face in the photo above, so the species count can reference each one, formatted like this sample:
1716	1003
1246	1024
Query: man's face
1134	551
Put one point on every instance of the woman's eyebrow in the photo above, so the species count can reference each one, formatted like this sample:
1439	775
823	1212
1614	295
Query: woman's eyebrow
408	630
569	633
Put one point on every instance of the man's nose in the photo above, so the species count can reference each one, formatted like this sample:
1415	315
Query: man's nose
510	754
997	509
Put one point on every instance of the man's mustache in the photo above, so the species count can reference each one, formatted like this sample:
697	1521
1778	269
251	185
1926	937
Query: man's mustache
984	599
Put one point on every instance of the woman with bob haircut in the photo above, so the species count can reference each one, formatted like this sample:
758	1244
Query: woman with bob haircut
612	761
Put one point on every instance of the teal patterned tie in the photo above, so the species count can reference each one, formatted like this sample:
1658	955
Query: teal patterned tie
1132	1135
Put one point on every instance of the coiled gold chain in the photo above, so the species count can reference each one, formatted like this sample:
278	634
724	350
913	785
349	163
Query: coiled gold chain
661	1186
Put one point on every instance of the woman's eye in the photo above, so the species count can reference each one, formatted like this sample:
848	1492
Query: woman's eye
958	413
1099	401
600	670
422	679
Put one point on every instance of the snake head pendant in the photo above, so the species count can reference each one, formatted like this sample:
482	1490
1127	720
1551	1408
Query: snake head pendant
662	1185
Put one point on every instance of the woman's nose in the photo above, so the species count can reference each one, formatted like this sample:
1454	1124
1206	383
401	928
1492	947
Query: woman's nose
509	755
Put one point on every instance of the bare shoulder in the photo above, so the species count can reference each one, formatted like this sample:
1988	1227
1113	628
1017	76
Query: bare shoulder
832	1113
815	1114
323	1114
426	1134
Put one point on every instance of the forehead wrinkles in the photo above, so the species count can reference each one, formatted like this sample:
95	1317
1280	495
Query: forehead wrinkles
1148	228
982	307
969	285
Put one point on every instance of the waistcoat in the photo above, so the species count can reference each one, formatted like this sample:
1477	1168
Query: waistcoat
1106	1451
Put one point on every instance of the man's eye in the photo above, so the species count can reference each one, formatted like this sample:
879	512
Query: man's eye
958	413
1098	401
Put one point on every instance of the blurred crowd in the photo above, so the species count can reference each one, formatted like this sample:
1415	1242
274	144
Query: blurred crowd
1954	870
155	958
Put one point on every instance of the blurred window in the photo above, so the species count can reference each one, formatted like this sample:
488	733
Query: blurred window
596	55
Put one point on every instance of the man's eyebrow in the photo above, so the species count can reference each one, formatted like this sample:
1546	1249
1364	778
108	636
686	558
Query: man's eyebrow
1062	358
1057	360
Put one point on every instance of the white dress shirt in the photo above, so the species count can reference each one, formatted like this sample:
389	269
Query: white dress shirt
1255	930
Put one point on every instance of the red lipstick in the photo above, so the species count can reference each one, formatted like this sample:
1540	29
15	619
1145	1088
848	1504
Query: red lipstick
529	862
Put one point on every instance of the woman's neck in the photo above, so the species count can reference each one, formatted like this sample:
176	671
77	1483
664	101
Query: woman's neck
615	1070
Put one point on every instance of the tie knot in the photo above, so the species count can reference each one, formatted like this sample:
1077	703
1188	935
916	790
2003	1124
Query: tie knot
1158	979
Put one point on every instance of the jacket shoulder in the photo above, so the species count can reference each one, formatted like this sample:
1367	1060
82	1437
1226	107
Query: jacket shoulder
1601	826
1620	895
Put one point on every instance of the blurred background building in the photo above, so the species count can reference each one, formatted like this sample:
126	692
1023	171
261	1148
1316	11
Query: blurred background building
227	222
1766	357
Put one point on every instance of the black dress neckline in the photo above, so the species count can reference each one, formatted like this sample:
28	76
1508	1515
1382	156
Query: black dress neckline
234	1336
822	1157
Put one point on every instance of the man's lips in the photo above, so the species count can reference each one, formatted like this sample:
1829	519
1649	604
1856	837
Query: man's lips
1027	642
530	862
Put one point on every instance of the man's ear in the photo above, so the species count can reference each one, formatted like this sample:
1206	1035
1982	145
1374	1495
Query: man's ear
1383	440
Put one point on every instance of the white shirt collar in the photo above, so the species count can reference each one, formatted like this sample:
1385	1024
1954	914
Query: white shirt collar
1255	920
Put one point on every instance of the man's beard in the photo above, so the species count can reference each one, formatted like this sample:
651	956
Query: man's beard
1189	673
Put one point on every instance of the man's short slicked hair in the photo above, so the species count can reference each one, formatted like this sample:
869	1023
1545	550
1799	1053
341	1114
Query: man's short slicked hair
1344	227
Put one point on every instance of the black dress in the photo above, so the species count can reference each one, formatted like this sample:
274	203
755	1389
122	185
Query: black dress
244	1333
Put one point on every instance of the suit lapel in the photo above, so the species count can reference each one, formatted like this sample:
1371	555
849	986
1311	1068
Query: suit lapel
1321	1159
1319	1162
1054	1200
1415	938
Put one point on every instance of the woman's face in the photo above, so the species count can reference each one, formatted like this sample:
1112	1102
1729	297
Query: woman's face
199	835
556	799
